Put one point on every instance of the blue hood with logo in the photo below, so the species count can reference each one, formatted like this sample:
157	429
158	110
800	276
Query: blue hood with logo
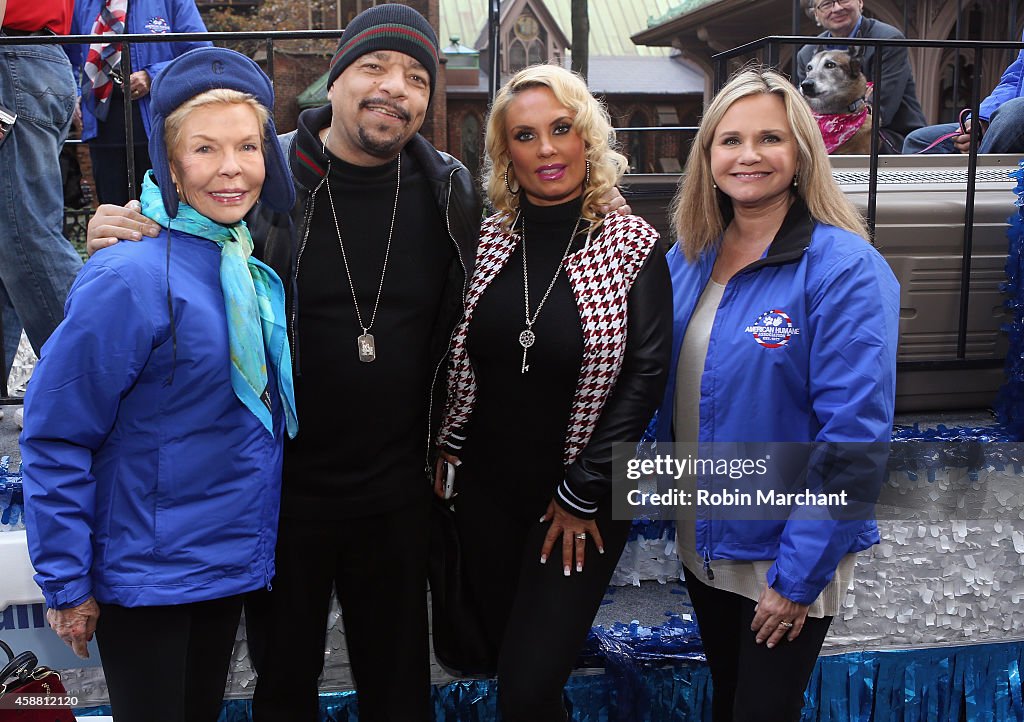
802	349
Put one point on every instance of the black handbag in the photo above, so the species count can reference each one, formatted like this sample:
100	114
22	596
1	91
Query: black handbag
38	685
459	642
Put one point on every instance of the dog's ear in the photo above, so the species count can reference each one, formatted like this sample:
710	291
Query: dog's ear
856	54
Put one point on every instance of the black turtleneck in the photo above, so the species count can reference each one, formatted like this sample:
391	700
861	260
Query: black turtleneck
519	423
376	411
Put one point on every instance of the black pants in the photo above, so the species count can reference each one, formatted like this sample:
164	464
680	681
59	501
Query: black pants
378	567
751	682
169	663
109	155
536	618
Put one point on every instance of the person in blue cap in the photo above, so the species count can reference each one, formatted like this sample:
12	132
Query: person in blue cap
153	439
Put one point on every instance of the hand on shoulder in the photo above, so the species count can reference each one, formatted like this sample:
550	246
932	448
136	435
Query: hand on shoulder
111	224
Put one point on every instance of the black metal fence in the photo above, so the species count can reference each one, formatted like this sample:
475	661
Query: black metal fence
766	51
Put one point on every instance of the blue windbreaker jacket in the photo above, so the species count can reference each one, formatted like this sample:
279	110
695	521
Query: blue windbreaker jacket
147	482
1011	85
830	377
145	17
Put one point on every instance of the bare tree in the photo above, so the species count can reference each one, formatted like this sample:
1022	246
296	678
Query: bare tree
270	15
580	37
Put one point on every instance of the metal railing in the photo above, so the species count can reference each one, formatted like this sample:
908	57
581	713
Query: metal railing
128	40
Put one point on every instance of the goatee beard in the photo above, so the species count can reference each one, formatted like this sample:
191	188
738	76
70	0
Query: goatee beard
381	148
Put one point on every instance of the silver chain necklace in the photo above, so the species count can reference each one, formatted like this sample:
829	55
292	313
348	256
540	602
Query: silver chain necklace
365	345
527	337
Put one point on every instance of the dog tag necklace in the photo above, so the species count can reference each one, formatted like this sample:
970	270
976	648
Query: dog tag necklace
527	337
365	345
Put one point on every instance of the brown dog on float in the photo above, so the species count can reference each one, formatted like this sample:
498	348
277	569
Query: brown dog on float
837	91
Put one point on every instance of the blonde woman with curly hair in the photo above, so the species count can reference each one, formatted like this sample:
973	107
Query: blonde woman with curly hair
786	325
563	351
604	164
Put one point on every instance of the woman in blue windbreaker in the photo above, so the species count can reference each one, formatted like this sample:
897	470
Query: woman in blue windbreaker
785	331
155	419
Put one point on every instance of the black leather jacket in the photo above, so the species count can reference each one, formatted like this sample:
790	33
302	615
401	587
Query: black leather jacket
280	238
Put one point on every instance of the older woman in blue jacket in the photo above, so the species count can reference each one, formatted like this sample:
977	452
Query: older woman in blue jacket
155	419
785	331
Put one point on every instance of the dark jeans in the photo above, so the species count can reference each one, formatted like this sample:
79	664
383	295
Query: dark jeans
109	153
168	663
37	264
751	682
1005	133
378	567
536	618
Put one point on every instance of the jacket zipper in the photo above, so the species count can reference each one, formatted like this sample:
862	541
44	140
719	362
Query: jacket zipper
298	260
708	571
451	336
778	260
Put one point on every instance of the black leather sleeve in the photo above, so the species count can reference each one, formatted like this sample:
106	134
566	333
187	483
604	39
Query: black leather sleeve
637	394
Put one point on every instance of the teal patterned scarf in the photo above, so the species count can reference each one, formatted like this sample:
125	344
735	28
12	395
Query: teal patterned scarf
253	305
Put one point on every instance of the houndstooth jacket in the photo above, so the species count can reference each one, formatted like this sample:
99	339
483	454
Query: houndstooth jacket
601	275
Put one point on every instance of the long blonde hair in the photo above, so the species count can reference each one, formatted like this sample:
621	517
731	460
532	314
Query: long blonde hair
700	213
591	122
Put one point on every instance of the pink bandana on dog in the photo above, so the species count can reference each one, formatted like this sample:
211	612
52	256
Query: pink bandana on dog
837	128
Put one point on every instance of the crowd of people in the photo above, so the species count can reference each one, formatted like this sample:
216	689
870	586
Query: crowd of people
341	276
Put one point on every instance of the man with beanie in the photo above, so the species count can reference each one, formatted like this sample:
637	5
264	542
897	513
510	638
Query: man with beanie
386	231
378	251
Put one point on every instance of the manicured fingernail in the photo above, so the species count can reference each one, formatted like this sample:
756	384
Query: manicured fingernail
544	518
543	558
579	567
771	645
566	571
601	550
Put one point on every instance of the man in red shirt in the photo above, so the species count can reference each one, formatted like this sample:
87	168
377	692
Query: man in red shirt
37	264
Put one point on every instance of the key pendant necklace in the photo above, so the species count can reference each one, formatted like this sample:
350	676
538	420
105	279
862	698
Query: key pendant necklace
366	347
527	337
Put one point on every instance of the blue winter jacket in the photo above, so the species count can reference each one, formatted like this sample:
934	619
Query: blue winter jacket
1011	85
147	482
144	17
828	376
